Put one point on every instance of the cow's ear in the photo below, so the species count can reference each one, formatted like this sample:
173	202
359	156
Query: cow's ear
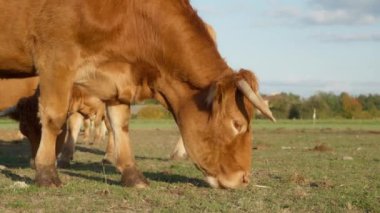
214	99
218	94
249	77
212	93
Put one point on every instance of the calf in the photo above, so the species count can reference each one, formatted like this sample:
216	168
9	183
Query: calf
82	105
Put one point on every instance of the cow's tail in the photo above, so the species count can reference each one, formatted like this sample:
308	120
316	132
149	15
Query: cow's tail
11	111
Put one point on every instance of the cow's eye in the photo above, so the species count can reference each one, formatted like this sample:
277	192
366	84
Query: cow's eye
238	125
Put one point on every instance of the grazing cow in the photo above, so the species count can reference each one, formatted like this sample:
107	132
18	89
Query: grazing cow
12	90
167	48
82	105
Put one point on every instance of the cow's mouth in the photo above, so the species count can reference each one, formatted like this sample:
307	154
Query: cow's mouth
236	180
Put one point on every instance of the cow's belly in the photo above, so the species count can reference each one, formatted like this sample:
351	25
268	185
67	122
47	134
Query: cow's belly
11	90
13	67
15	22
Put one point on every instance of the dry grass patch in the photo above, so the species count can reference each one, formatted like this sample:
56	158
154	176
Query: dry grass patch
261	147
298	179
321	148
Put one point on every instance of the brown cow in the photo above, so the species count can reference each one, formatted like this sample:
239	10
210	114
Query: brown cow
82	105
167	47
12	90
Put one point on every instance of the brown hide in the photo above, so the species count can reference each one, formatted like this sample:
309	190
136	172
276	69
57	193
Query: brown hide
163	44
12	90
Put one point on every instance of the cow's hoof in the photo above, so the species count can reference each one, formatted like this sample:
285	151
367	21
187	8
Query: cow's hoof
63	164
47	176
108	160
132	177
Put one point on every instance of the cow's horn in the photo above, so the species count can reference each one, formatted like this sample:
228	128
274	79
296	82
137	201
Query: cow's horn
256	99
8	111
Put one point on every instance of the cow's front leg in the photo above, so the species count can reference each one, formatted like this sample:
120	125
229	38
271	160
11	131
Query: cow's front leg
124	159
55	88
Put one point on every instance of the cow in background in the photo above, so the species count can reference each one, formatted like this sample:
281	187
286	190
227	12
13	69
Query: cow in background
89	131
82	106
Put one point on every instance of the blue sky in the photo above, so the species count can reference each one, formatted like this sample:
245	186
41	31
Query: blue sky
300	46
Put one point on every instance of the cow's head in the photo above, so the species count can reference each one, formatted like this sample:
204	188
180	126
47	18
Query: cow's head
218	139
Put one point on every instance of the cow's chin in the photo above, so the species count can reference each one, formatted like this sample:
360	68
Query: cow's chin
237	180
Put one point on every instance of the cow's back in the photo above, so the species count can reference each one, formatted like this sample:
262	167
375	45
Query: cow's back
12	90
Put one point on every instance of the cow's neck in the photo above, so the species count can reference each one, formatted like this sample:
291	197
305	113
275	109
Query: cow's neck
177	43
176	95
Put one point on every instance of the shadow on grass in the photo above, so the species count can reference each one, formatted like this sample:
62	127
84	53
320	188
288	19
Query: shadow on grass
91	177
174	178
154	176
100	152
15	154
15	177
92	167
94	150
151	158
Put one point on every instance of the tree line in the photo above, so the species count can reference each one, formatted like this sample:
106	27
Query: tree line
325	105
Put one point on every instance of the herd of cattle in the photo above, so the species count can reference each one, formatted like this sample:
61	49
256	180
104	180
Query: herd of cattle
94	58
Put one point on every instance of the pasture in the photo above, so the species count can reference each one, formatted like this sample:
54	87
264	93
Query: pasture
298	166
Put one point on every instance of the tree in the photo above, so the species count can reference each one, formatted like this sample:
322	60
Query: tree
294	112
320	104
282	103
351	106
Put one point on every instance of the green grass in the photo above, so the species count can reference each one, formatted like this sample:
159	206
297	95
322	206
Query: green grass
319	124
8	123
299	178
256	124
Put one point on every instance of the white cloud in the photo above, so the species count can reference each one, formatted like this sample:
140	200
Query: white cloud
329	37
331	12
339	16
359	6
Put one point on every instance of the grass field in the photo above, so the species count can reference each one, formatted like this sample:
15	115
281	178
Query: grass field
298	166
